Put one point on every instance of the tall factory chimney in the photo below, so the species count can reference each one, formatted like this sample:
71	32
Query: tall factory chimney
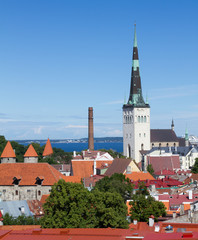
90	130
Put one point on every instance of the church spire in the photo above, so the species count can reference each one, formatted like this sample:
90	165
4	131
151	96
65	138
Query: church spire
135	97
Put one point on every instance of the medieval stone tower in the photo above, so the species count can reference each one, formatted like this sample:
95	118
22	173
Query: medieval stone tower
136	114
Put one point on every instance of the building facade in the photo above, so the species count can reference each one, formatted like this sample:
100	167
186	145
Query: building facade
136	114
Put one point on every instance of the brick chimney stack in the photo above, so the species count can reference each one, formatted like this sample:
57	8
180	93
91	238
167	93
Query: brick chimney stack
90	130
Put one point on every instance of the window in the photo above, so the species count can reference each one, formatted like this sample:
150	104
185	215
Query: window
4	191
141	119
138	118
39	192
16	192
28	191
144	118
139	134
144	134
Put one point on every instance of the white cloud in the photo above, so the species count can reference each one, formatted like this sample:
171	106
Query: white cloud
38	130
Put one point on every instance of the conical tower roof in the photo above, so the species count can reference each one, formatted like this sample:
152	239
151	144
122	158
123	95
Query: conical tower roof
30	152
8	151
48	149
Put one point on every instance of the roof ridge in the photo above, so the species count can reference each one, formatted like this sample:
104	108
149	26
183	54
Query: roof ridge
49	166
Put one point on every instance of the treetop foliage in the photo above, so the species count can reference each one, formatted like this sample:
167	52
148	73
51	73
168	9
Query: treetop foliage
117	183
20	220
73	206
195	167
143	206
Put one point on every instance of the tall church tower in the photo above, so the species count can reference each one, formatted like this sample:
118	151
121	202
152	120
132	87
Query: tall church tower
136	114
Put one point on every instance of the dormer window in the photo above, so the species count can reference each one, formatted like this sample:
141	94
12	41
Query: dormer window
16	180
39	180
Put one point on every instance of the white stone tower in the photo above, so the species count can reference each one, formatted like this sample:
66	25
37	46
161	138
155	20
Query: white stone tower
136	114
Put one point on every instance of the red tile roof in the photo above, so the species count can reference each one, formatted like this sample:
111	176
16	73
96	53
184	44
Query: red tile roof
164	162
28	173
84	168
8	151
74	179
176	199
160	183
135	176
35	207
165	172
43	198
48	149
30	152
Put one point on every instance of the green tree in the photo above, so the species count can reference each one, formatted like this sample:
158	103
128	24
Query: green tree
110	210
195	167
117	183
71	205
142	189
20	220
142	207
150	169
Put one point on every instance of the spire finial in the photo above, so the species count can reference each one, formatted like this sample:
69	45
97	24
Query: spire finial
172	125
135	37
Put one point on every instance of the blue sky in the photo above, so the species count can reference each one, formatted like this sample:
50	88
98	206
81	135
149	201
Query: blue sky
57	58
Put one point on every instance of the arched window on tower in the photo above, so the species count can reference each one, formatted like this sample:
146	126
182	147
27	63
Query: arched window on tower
144	118
130	119
129	151
142	146
138	118
141	119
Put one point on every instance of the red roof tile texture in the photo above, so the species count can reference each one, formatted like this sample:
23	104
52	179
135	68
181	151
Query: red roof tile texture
135	176
165	172
8	151
28	173
176	199
84	168
48	149
30	152
164	162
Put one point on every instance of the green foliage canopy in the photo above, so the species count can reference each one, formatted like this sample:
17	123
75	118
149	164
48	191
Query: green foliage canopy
195	167
20	220
142	207
117	183
150	169
70	205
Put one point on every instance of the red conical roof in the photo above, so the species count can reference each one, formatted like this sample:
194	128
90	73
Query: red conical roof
30	152
48	149
8	151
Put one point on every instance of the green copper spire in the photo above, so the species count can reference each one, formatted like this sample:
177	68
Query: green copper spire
136	97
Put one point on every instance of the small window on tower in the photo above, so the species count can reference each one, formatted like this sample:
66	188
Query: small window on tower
144	118
141	119
138	118
139	134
